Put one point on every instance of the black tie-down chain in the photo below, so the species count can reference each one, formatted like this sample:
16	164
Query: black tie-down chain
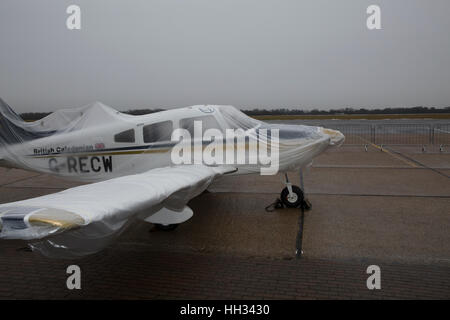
305	205
278	204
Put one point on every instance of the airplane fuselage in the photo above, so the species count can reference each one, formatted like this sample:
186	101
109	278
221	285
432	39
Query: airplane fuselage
136	144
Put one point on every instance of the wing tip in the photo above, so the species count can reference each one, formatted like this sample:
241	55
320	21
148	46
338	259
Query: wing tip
20	222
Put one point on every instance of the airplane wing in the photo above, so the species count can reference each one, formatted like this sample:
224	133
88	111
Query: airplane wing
84	219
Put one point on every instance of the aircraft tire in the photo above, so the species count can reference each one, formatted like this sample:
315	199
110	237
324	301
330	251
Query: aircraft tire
296	200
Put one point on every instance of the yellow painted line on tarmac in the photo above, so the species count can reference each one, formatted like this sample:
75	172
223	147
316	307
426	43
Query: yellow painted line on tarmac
410	163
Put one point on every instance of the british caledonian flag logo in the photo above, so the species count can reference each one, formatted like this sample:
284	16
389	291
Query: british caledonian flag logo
99	146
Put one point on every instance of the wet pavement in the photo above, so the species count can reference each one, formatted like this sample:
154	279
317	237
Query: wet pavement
385	207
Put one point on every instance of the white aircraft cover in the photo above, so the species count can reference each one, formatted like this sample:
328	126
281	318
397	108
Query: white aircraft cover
297	145
93	215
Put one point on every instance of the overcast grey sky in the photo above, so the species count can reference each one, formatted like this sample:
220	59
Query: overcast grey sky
248	53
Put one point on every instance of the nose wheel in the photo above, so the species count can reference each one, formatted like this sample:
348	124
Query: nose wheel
293	196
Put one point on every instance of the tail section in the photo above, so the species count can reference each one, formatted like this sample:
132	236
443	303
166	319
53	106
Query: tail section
9	121
13	129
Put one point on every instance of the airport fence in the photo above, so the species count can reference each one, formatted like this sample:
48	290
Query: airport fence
441	134
395	134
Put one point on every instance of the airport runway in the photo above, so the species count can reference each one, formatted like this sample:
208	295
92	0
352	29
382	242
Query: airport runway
377	207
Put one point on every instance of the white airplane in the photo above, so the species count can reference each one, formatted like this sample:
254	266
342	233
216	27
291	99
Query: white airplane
129	163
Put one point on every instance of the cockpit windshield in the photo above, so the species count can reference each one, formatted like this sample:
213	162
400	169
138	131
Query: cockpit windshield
236	119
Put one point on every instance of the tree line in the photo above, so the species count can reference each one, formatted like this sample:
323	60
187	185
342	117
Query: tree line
31	116
285	111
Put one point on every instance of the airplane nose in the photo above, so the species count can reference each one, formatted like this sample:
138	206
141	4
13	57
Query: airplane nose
336	137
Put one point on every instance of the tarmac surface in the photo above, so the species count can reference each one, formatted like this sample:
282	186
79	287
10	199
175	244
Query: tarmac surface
387	207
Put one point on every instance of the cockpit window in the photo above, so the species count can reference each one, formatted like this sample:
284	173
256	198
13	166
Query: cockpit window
208	122
157	132
126	136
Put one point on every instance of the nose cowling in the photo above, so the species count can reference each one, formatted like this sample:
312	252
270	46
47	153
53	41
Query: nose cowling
292	134
336	137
